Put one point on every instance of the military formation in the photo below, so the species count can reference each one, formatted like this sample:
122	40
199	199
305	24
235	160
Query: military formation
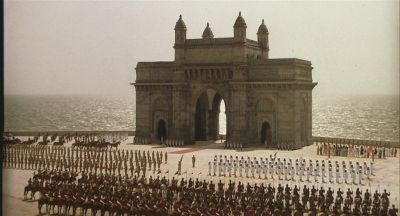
300	169
92	160
100	181
63	192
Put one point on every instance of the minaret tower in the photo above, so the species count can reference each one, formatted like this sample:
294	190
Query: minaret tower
262	38
180	31
239	29
180	39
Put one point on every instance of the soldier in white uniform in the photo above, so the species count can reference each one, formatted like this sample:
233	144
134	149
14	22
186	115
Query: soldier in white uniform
286	170
308	174
368	173
360	176
323	171
292	172
365	167
301	172
345	175
246	169
229	167
337	174
215	167
252	169
353	176
271	170
220	167
330	174
265	170
259	171
316	174
224	165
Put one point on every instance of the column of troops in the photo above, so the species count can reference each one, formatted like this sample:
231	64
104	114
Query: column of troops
288	169
63	192
92	160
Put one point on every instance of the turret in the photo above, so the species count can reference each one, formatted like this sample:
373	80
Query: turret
207	33
180	31
239	29
262	38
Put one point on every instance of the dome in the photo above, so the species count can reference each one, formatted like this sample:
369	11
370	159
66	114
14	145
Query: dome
240	21
180	25
207	33
262	29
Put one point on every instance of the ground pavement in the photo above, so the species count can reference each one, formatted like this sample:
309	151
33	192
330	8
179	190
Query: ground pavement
387	171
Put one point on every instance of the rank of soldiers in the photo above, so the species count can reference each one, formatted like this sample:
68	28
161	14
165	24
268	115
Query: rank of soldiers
64	191
288	169
82	159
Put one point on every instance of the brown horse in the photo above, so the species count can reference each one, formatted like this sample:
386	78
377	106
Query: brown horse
357	202
348	201
32	189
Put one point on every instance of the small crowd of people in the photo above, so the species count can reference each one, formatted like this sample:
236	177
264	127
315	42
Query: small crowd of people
360	151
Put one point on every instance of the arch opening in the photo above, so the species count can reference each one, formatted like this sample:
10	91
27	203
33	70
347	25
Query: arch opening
161	130
266	138
209	120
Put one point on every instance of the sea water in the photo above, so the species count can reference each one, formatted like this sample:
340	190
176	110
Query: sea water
365	117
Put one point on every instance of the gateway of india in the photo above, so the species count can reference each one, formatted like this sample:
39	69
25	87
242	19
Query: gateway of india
268	101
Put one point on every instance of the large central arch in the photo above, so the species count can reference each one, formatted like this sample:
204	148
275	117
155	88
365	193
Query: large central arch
206	118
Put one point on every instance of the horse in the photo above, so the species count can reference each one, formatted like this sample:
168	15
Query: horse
58	143
32	189
43	200
329	200
358	201
53	137
348	201
304	199
321	200
115	144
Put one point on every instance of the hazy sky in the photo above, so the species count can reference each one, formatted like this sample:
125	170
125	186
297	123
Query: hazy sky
92	47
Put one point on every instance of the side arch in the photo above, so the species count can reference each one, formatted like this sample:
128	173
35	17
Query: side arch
266	110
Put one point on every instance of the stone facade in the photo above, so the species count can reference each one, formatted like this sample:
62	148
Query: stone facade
268	101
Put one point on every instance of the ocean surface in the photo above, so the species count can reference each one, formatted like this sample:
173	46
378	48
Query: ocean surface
363	117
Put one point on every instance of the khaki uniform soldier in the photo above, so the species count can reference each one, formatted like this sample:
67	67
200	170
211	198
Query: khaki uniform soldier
193	161
234	167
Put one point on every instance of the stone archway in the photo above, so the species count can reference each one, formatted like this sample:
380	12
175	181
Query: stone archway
266	135
206	117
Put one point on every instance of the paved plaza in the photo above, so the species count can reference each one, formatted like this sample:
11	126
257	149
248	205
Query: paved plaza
387	171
